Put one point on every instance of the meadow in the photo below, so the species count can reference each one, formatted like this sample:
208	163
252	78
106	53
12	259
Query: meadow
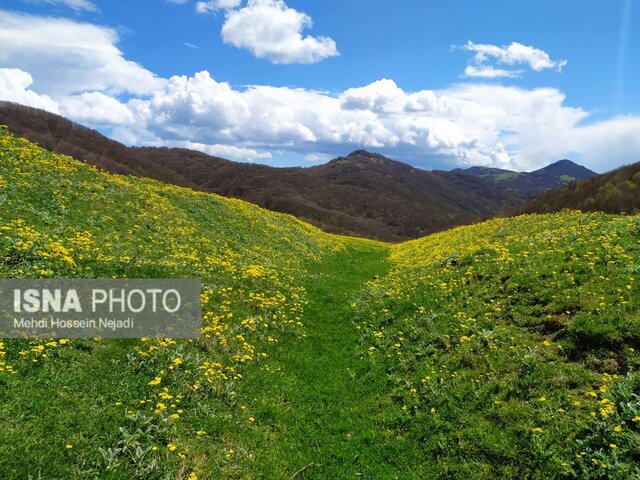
507	349
511	347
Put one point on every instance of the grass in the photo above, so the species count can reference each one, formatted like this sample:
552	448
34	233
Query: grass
318	413
512	347
64	219
507	349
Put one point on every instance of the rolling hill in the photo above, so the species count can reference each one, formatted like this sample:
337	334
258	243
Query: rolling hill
617	191
522	332
62	218
488	351
360	194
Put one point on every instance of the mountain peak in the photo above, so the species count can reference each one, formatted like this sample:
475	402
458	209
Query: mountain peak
361	153
566	168
564	163
366	155
364	158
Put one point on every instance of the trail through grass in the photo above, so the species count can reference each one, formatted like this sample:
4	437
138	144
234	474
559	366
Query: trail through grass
316	415
508	349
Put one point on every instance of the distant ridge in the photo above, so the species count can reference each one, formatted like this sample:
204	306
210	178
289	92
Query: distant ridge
530	184
363	193
617	191
480	171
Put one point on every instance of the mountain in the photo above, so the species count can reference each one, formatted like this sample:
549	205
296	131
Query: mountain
361	194
364	194
530	184
57	134
566	170
617	191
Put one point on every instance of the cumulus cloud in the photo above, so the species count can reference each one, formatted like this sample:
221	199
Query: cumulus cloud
225	151
604	145
66	57
195	103
513	54
472	124
490	72
14	87
469	124
380	96
95	108
271	30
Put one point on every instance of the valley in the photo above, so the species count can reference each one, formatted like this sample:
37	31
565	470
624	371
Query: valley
360	194
332	240
509	348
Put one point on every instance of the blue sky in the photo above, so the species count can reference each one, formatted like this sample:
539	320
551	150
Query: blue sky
299	82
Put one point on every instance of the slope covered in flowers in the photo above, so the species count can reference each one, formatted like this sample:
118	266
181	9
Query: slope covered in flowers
507	349
512	347
139	408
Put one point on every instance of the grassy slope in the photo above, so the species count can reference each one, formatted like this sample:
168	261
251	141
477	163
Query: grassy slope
512	347
483	352
62	218
318	411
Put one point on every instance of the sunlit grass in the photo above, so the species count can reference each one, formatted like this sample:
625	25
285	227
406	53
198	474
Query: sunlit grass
507	349
511	346
61	218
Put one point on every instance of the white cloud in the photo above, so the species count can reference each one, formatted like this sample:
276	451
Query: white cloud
270	29
73	4
66	57
14	87
513	54
470	124
380	96
96	108
606	144
225	151
490	72
193	104
317	157
76	69
213	5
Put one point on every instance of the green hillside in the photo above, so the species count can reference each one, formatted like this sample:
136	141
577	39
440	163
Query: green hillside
613	192
511	347
61	218
507	349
